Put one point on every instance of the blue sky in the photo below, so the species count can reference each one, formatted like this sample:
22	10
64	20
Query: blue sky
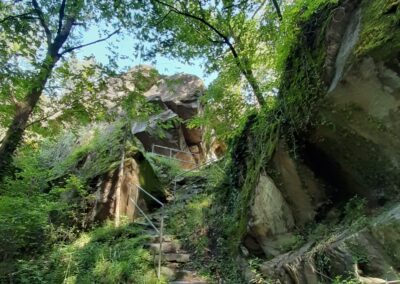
125	47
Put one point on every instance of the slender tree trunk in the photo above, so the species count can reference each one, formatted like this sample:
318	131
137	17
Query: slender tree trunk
254	86
16	129
278	9
24	110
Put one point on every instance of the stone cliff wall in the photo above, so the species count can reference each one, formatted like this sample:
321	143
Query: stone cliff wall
340	141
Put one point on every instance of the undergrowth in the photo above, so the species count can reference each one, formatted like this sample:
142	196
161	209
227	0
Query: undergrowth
104	255
200	220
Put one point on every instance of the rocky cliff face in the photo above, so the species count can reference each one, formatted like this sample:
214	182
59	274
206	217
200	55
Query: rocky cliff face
136	172
348	146
178	97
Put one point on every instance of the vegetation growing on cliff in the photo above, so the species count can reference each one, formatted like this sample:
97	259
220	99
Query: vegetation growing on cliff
274	63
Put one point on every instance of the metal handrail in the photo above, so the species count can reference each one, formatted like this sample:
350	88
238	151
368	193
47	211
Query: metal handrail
175	159
160	231
169	148
170	153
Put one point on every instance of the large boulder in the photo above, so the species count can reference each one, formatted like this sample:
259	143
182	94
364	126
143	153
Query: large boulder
179	94
270	219
137	172
178	97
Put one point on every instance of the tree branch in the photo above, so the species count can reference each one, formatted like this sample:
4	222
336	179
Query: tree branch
42	20
61	15
42	118
203	21
258	9
24	15
244	67
163	18
90	43
278	9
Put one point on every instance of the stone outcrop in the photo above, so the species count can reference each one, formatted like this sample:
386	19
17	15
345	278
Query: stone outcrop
137	172
178	94
270	218
351	148
371	255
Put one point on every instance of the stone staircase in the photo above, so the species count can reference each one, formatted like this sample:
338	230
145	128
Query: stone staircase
174	258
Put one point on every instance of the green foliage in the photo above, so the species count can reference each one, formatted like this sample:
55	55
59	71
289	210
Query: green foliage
189	222
295	15
255	146
224	108
24	225
380	35
348	280
136	106
104	255
229	36
359	253
355	211
98	150
165	168
30	176
202	223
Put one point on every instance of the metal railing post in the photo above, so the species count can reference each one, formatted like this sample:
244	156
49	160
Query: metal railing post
160	231
161	242
174	190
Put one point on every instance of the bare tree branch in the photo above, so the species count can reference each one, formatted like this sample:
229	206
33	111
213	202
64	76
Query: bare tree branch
90	43
42	20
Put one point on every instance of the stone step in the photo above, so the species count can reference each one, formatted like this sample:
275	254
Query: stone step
185	275
174	273
174	257
156	238
173	246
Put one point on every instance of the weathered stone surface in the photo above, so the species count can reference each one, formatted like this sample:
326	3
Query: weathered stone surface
298	185
370	254
180	94
270	216
359	133
352	147
135	173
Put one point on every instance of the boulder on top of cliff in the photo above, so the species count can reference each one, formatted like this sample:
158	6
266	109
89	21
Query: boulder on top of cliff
178	96
181	94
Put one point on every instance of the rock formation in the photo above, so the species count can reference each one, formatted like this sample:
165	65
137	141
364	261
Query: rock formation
349	147
178	97
178	94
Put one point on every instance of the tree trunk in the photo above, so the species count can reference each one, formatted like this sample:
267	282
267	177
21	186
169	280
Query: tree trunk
16	129
248	73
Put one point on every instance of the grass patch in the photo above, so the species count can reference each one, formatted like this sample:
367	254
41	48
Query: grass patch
104	255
